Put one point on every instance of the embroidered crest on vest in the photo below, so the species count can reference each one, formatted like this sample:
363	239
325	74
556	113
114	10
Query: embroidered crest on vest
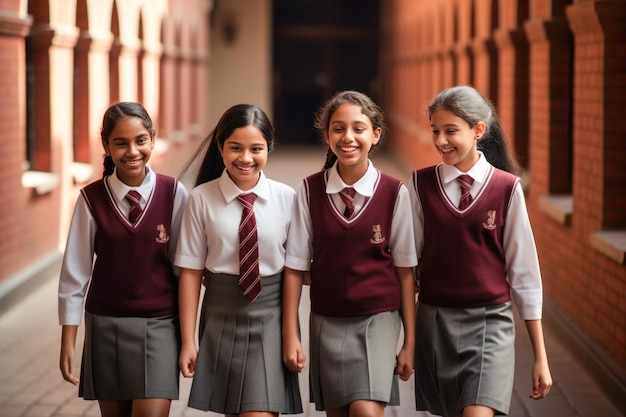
490	224
378	236
163	237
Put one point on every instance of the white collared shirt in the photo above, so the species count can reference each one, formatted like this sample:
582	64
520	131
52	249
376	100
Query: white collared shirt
210	227
522	263
79	250
300	242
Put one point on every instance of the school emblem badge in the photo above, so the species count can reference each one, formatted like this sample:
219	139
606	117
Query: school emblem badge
163	237
378	237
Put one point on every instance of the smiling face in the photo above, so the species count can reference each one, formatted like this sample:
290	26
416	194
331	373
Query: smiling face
351	136
455	140
130	145
245	155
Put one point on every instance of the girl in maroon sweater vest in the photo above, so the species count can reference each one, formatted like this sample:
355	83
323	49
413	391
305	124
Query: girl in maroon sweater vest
120	247
351	231
476	253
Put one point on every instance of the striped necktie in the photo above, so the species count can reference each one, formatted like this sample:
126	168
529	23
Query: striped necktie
465	182
347	195
133	197
249	275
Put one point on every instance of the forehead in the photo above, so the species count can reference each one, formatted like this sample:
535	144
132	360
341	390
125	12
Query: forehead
129	127
247	135
349	113
442	117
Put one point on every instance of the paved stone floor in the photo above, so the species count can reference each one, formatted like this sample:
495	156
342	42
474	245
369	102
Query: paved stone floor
31	384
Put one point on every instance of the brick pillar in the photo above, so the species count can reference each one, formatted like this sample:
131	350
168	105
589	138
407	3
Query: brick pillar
599	101
512	90
485	67
150	69
550	109
169	98
53	109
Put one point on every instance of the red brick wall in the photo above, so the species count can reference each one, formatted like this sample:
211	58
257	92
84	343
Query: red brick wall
73	77
557	77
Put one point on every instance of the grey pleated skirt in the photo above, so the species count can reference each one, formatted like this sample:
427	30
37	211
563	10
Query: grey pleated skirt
354	358
239	366
126	358
464	356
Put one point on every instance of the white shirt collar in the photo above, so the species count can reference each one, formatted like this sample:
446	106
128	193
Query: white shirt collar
230	191
119	189
364	186
478	172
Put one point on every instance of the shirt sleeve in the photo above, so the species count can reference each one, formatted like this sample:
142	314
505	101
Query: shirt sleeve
192	245
418	217
77	264
300	236
522	262
402	241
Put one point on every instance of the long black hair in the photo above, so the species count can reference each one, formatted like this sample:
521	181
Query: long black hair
116	113
237	116
325	113
467	103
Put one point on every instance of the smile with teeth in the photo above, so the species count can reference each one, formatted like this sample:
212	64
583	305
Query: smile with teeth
245	168
133	162
347	148
446	150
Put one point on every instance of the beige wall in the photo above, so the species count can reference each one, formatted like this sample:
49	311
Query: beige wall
241	71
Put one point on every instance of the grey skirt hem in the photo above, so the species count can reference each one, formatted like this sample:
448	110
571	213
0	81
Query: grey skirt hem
354	358
239	366
127	358
464	356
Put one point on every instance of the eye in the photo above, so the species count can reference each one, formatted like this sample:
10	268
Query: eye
338	129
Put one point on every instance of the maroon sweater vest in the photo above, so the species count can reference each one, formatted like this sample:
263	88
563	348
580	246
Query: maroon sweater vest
132	274
352	272
462	263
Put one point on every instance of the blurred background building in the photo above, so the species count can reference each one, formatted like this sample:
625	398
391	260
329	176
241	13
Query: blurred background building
555	69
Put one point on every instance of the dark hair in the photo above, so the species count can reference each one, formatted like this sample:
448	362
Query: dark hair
467	103
325	113
118	112
237	116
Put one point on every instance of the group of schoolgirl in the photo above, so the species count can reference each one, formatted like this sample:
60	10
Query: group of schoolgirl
140	248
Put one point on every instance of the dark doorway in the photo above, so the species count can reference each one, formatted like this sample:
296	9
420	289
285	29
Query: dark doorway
320	47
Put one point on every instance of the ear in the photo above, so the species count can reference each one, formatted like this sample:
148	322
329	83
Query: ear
479	130
326	140
107	151
377	134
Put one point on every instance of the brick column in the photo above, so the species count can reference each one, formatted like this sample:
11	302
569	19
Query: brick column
53	52
550	75
599	101
512	90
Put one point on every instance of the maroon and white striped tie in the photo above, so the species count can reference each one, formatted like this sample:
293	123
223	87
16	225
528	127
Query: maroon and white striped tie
133	197
465	181
249	276
347	195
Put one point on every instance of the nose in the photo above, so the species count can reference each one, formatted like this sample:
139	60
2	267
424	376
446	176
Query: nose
439	138
246	156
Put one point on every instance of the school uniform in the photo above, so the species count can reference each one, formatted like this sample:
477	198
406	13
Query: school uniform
473	262
132	336
355	291
239	367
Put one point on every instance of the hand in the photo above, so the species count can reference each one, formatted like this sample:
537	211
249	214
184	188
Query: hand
405	364
65	364
66	358
293	356
542	381
187	360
